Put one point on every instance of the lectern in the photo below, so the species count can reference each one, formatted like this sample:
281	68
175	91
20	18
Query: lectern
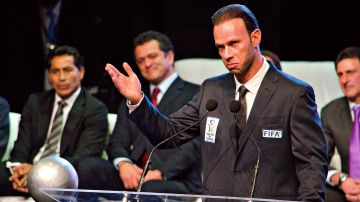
79	195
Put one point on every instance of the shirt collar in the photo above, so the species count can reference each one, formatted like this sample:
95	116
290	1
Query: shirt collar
164	85
353	105
254	83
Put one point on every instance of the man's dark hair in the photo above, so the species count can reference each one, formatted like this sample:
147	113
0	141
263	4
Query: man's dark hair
236	11
350	52
164	41
66	50
275	58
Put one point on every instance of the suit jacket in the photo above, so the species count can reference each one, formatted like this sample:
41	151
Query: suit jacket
4	125
181	164
337	123
292	167
83	135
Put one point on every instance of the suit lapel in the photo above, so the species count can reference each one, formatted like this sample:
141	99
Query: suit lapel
172	93
45	111
263	97
345	119
72	121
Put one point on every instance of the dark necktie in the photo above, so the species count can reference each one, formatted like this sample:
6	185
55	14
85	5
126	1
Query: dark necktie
354	161
154	95
51	31
241	114
55	133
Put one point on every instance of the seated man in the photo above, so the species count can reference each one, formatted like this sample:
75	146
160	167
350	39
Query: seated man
66	121
340	120
172	170
4	125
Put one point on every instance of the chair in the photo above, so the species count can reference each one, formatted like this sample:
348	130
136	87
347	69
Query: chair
111	121
320	75
14	128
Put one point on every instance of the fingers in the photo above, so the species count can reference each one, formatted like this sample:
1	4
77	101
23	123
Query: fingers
128	69
20	184
129	176
113	72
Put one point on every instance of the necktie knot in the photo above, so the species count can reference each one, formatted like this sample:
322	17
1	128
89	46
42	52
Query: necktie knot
242	91
154	95
356	111
61	105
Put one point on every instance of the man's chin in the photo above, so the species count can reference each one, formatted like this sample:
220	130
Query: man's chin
63	94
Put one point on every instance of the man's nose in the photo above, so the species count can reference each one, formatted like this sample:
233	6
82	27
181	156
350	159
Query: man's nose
62	75
228	53
148	62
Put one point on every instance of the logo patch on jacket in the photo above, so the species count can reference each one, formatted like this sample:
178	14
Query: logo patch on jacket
272	133
210	129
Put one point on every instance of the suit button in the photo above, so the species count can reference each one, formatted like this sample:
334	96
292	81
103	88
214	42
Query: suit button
236	171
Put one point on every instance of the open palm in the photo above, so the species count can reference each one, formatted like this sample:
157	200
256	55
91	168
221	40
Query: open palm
129	86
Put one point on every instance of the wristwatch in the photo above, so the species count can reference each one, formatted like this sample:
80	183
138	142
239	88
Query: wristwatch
342	178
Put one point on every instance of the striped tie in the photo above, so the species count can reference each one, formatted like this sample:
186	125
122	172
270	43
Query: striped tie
56	131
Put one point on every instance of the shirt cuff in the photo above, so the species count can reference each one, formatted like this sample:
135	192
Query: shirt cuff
131	106
119	160
11	165
329	175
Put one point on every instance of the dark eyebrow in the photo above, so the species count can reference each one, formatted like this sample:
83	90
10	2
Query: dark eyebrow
219	45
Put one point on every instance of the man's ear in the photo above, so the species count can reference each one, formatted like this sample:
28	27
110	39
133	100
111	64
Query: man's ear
256	37
82	72
170	56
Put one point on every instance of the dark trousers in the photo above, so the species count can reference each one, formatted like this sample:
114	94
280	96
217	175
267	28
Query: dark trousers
334	194
100	174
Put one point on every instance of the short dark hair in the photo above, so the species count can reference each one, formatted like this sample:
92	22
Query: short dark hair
236	11
350	52
66	50
275	58
164	41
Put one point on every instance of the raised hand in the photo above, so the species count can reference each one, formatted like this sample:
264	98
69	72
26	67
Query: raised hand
128	86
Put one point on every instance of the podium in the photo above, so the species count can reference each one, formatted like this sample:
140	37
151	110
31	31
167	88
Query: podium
82	195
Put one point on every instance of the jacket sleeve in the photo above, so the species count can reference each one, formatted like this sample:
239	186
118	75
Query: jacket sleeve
4	125
308	146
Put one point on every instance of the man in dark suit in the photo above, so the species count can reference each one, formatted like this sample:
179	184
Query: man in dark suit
67	122
172	170
4	125
337	118
277	124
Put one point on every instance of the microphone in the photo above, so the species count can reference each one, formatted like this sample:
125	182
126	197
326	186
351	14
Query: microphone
234	108
211	105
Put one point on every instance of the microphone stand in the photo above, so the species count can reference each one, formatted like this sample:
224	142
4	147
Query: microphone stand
159	144
211	105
